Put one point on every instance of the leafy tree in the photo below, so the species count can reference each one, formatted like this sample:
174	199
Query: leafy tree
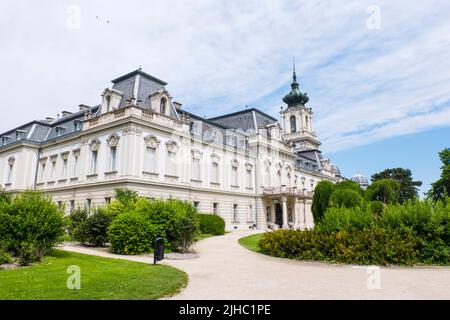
441	188
5	196
408	187
349	184
321	199
385	190
348	198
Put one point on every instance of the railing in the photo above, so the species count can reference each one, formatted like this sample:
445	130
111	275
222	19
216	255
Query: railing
288	191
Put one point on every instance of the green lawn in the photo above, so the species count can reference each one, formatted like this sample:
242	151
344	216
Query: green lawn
250	242
101	278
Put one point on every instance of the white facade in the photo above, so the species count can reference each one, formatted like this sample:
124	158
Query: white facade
249	176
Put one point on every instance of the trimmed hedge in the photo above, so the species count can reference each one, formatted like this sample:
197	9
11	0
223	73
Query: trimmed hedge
366	246
212	224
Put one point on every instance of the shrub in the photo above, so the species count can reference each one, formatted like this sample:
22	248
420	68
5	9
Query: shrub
348	198
349	184
429	222
34	221
76	222
5	257
376	207
132	233
95	228
364	246
212	224
165	214
28	253
340	219
321	198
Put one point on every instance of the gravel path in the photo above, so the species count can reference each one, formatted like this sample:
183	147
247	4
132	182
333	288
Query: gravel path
225	270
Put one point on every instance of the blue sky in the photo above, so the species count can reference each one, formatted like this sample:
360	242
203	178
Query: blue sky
377	72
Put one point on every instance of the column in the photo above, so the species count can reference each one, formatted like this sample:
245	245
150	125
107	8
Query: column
295	212
272	212
285	218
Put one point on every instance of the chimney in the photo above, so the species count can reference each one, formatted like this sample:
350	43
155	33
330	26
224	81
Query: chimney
84	107
66	113
50	119
177	105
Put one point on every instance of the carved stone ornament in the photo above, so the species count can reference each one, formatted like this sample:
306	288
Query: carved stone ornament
234	163
248	166
94	144
197	154
131	131
215	158
172	146
113	140
11	161
151	141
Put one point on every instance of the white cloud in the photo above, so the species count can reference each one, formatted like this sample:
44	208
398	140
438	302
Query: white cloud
364	85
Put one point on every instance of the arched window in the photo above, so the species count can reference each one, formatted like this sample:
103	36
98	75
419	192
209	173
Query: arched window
293	124
163	105
306	122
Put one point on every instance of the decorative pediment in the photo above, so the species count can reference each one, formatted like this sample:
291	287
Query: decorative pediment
152	141
172	146
197	154
11	161
234	163
94	144
113	140
215	158
248	166
267	162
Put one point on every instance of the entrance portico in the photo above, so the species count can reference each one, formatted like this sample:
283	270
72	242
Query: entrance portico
288	208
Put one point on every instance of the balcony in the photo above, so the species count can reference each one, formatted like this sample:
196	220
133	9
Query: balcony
287	191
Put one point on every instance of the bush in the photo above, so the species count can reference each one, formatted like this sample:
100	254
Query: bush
31	222
348	198
365	246
430	224
5	257
345	219
132	233
321	198
212	224
28	253
95	228
177	219
349	184
376	207
75	224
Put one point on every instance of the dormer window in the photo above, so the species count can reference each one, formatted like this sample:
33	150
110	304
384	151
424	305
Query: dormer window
20	135
60	131
77	125
108	103
5	140
163	104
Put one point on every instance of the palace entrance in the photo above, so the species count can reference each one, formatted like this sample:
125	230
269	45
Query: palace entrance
278	214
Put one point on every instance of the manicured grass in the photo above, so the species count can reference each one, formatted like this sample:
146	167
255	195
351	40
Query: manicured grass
101	278
250	242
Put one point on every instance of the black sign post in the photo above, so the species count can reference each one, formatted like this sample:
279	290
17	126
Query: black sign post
158	253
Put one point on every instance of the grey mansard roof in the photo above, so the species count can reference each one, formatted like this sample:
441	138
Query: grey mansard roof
245	120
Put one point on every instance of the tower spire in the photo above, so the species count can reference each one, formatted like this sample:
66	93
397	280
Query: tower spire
294	75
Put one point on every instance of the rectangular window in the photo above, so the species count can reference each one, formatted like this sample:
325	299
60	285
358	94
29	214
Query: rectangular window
195	169
150	159
235	213
215	172
94	157
42	173
171	164
64	169
59	204
89	204
234	176
75	166
196	205
112	158
215	208
248	178
108	200
53	171
10	172
71	206
250	213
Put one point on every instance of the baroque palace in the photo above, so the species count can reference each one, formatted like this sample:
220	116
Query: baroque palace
245	166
